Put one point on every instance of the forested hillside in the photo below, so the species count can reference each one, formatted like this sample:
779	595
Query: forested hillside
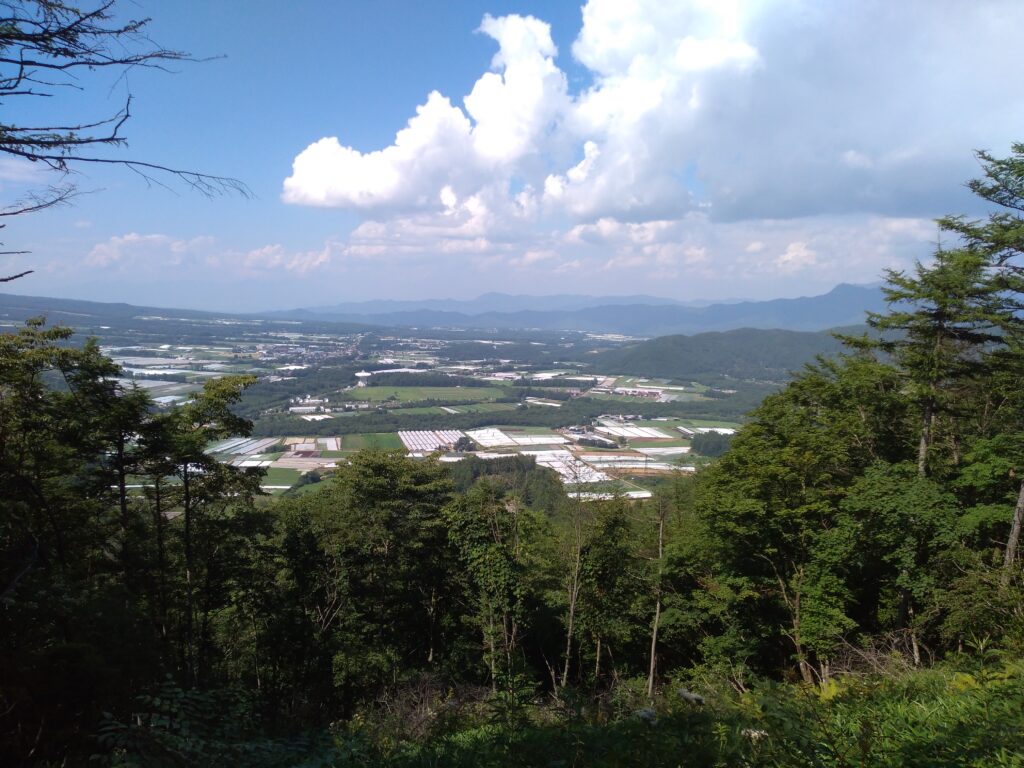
747	353
842	587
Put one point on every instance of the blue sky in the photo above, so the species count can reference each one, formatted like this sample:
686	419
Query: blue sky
409	150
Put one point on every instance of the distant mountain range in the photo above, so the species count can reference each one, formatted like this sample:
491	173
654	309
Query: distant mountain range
631	315
492	302
108	319
74	311
644	316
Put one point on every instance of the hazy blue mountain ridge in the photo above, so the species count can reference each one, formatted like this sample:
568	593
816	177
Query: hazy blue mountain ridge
843	305
487	303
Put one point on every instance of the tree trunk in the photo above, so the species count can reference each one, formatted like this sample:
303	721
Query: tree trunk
653	666
189	598
905	619
125	521
793	604
492	654
161	556
1010	554
574	584
432	611
256	649
573	596
924	444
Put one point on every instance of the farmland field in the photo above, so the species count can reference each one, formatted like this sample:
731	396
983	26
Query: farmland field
485	407
617	398
709	423
280	476
512	430
668	424
418	394
427	409
641	443
379	440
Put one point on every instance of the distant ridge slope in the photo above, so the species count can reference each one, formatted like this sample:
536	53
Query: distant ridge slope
16	307
746	353
79	313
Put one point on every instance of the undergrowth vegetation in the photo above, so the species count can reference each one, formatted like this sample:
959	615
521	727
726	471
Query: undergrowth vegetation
966	713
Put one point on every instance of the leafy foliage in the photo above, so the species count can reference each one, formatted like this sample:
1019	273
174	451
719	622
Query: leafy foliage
841	587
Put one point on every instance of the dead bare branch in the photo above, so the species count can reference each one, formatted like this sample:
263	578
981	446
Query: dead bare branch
9	278
44	46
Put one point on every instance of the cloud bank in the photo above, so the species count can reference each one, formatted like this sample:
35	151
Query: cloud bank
712	140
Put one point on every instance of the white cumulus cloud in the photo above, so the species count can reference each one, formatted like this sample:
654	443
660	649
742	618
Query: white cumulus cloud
133	250
708	140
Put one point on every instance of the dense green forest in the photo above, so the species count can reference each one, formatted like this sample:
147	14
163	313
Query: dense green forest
842	587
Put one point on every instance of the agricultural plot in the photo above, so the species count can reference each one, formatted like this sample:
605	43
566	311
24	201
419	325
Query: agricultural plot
482	408
303	464
691	431
429	440
667	384
168	372
419	394
225	446
569	468
283	468
373	440
547	375
649	433
623	492
616	398
307	444
675	442
281	476
631	381
693	423
157	388
242	446
521	429
625	462
666	423
541	401
490	437
680	397
252	461
660	451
